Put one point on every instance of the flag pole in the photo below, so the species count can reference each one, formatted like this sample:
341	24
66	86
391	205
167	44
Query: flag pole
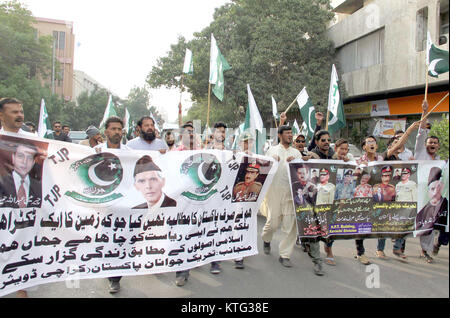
328	115
426	82
207	114
425	117
291	104
209	103
275	119
180	119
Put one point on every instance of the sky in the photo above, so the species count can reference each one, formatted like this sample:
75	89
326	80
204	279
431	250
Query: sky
118	42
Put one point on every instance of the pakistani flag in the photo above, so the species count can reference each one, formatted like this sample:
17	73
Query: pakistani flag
254	123
437	59
307	112
188	67
156	123
335	104
109	111
217	66
304	130
44	129
127	121
238	131
295	128
274	108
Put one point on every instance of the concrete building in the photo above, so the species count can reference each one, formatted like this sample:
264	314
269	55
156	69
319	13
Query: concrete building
82	82
381	50
61	79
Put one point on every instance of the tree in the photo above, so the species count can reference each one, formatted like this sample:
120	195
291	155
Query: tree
275	46
24	59
91	108
440	129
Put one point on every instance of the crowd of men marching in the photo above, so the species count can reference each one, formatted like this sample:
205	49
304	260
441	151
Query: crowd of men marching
278	204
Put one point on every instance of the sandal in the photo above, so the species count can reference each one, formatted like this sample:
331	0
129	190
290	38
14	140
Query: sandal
380	254
399	253
330	261
427	257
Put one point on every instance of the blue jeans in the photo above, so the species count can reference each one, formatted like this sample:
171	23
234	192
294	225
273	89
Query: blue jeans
398	245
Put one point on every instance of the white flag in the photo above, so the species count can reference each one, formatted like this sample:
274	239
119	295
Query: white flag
44	128
274	108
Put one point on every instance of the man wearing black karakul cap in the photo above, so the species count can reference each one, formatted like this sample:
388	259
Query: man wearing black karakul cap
149	180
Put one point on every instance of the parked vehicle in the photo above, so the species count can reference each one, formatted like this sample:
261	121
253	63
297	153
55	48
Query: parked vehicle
77	136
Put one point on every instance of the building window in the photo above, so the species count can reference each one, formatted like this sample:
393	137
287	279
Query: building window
421	29
62	40
363	52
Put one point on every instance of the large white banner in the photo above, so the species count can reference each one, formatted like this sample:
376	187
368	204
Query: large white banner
386	128
67	211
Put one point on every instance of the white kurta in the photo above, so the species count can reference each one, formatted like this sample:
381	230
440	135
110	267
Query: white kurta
280	206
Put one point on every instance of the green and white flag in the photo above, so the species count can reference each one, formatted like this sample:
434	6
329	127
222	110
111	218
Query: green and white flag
307	112
437	59
188	67
253	122
304	130
237	132
156	123
274	108
127	121
44	128
217	66
295	128
335	105
109	111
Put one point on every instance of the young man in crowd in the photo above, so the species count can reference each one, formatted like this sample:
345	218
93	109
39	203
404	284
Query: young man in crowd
58	133
114	134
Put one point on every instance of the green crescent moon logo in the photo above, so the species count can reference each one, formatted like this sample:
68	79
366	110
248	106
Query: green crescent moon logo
100	175
204	170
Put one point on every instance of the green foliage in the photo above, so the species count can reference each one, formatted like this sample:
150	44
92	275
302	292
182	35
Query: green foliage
275	46
24	56
440	129
138	105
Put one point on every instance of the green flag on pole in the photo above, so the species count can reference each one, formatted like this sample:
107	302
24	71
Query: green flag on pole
335	105
437	59
254	123
295	128
109	111
307	112
217	66
127	121
44	128
188	67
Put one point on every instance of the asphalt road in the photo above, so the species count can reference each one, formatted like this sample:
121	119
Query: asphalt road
265	277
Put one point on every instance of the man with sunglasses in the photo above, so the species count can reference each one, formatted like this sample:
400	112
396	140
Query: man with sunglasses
58	133
322	149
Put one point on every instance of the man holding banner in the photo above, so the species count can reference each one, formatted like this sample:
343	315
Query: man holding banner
279	199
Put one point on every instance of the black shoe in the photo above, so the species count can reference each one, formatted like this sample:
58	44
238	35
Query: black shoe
318	269
239	264
285	262
266	248
114	287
